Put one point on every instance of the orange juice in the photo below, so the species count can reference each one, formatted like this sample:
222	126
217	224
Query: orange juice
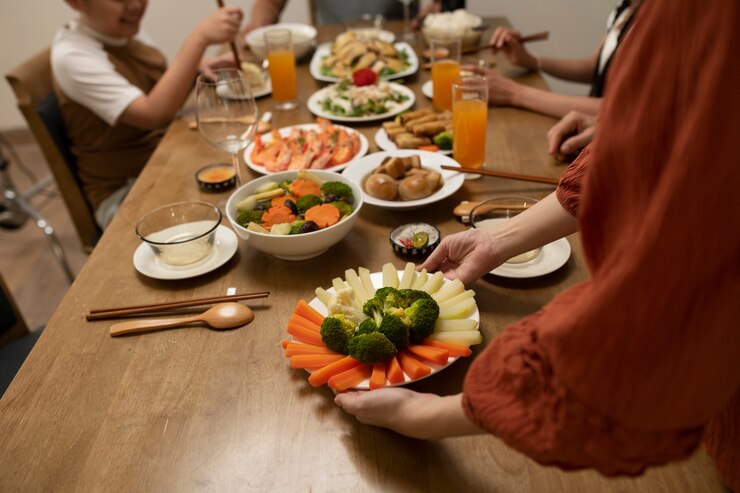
443	73
469	118
282	73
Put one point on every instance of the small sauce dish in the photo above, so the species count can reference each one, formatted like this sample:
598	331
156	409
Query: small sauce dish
415	239
216	177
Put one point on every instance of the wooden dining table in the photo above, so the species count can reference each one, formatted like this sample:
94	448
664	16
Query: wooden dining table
203	410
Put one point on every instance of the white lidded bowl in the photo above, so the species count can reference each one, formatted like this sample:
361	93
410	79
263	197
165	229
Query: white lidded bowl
294	247
303	38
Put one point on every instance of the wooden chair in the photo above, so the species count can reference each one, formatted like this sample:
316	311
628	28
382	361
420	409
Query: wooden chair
12	325
31	82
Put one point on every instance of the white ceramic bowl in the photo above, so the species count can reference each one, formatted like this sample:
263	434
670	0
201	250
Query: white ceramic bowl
294	247
303	38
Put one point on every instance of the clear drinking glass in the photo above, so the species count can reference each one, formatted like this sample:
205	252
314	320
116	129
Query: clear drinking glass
469	122
445	69
227	113
281	64
408	35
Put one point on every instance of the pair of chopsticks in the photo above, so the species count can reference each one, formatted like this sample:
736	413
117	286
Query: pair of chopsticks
500	174
237	58
525	39
106	313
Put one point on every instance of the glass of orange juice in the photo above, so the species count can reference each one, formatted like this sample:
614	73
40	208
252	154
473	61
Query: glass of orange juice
469	121
281	60
445	69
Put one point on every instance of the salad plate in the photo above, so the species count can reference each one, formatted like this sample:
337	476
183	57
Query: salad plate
377	280
225	93
224	247
453	180
285	131
427	89
316	104
324	49
384	143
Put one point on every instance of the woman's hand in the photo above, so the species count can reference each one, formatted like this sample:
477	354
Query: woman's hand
467	256
571	134
509	41
221	26
501	90
208	65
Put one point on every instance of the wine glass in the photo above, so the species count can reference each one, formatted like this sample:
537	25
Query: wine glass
408	35
226	112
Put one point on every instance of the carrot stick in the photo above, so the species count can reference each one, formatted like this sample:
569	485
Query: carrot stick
295	348
284	343
394	372
308	312
322	375
428	353
351	377
412	366
306	335
377	379
298	320
314	360
454	349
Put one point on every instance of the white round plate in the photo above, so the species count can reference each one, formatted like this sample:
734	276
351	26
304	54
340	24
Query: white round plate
314	106
224	247
386	144
377	279
324	50
285	131
453	180
427	89
550	258
224	92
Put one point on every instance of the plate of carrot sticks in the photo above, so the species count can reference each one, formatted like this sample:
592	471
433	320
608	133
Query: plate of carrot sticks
455	330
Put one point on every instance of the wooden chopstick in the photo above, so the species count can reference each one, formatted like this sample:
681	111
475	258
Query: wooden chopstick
500	174
105	313
237	58
541	36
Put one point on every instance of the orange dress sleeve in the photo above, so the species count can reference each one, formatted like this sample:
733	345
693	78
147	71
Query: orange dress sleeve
631	368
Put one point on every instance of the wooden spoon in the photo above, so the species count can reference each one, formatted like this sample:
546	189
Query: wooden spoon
464	209
220	316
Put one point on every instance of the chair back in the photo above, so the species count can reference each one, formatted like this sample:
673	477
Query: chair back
31	81
12	325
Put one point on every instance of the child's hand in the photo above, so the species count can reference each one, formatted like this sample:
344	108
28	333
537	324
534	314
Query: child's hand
221	26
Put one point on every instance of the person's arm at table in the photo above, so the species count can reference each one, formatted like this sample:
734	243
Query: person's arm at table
471	254
264	12
155	109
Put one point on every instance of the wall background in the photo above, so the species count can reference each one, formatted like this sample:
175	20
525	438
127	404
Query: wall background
27	27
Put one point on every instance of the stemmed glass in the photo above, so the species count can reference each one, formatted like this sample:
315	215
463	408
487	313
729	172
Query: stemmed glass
407	34
226	112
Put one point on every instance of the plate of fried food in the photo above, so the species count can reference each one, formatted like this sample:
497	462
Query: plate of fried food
405	179
423	129
320	145
333	62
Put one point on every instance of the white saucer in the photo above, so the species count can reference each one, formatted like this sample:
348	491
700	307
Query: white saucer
551	257
224	247
427	89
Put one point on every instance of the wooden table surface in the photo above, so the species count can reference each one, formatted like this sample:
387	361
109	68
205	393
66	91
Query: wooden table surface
195	409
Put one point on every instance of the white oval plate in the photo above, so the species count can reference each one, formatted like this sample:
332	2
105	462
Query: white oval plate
324	50
285	131
377	279
453	180
224	247
386	144
427	89
224	92
314	106
550	258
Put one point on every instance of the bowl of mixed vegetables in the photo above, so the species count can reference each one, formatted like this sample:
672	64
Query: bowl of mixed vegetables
295	215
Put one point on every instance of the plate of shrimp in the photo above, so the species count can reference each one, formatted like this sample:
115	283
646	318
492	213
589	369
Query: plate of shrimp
320	145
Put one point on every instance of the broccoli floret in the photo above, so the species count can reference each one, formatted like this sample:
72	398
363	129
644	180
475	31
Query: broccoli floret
406	297
336	331
372	348
384	299
339	189
395	330
246	217
344	208
422	313
295	227
443	140
367	326
306	202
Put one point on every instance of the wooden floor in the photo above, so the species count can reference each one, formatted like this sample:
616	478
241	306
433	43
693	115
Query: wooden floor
30	269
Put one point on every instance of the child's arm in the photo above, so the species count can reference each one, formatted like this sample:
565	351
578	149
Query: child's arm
156	109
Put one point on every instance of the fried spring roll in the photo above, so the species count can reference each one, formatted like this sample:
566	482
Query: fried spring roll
405	117
429	129
411	142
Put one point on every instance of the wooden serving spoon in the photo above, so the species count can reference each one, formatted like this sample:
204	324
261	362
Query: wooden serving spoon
464	209
220	316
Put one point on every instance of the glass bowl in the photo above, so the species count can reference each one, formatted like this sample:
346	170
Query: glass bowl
181	233
494	211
